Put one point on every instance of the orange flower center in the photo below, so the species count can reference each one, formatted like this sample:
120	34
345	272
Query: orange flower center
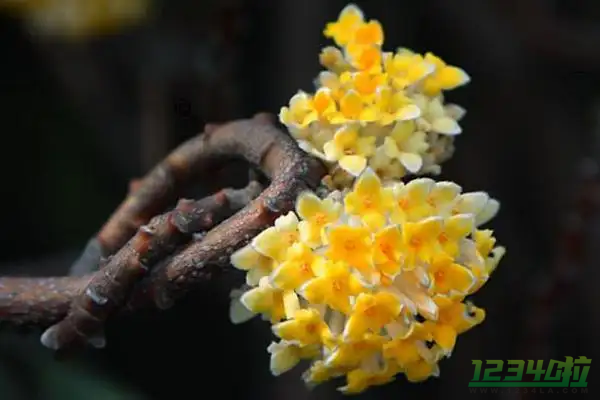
305	268
311	328
415	242
290	238
443	238
370	311
320	218
439	276
386	249
337	285
350	245
403	204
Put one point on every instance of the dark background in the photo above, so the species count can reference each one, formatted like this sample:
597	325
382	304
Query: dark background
81	116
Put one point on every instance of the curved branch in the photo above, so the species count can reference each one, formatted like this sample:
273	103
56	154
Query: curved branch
257	141
24	301
37	301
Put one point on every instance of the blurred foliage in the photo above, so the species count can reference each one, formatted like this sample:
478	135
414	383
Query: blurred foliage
78	19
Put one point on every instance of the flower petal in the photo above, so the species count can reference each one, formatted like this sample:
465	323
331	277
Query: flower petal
247	258
455	111
409	112
238	313
353	164
308	204
489	211
283	358
471	203
446	126
291	303
286	222
413	162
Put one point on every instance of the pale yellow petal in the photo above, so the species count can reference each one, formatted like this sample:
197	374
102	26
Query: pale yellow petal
435	109
488	212
291	303
460	225
418	189
268	243
308	204
413	162
332	151
283	358
455	111
471	203
446	126
257	300
444	192
247	258
353	164
409	112
287	222
254	276
390	148
238	313
402	130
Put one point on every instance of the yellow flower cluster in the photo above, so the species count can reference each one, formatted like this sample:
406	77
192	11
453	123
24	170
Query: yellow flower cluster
370	283
374	108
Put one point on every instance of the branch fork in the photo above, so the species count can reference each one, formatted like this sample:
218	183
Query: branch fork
153	257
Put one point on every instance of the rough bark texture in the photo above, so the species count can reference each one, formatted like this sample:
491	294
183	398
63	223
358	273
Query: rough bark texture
89	300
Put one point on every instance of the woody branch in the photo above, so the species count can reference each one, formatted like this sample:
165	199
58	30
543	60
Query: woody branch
151	259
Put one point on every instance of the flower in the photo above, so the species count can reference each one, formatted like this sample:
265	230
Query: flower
286	355
445	77
370	282
362	378
371	312
298	267
303	109
275	241
447	276
306	328
257	265
406	145
343	29
406	68
334	286
350	149
352	245
316	214
267	300
368	200
394	106
435	117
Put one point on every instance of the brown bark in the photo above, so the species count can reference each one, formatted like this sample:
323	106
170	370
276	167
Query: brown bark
90	300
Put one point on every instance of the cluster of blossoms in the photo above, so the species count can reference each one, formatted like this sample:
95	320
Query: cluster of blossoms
374	108
370	281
